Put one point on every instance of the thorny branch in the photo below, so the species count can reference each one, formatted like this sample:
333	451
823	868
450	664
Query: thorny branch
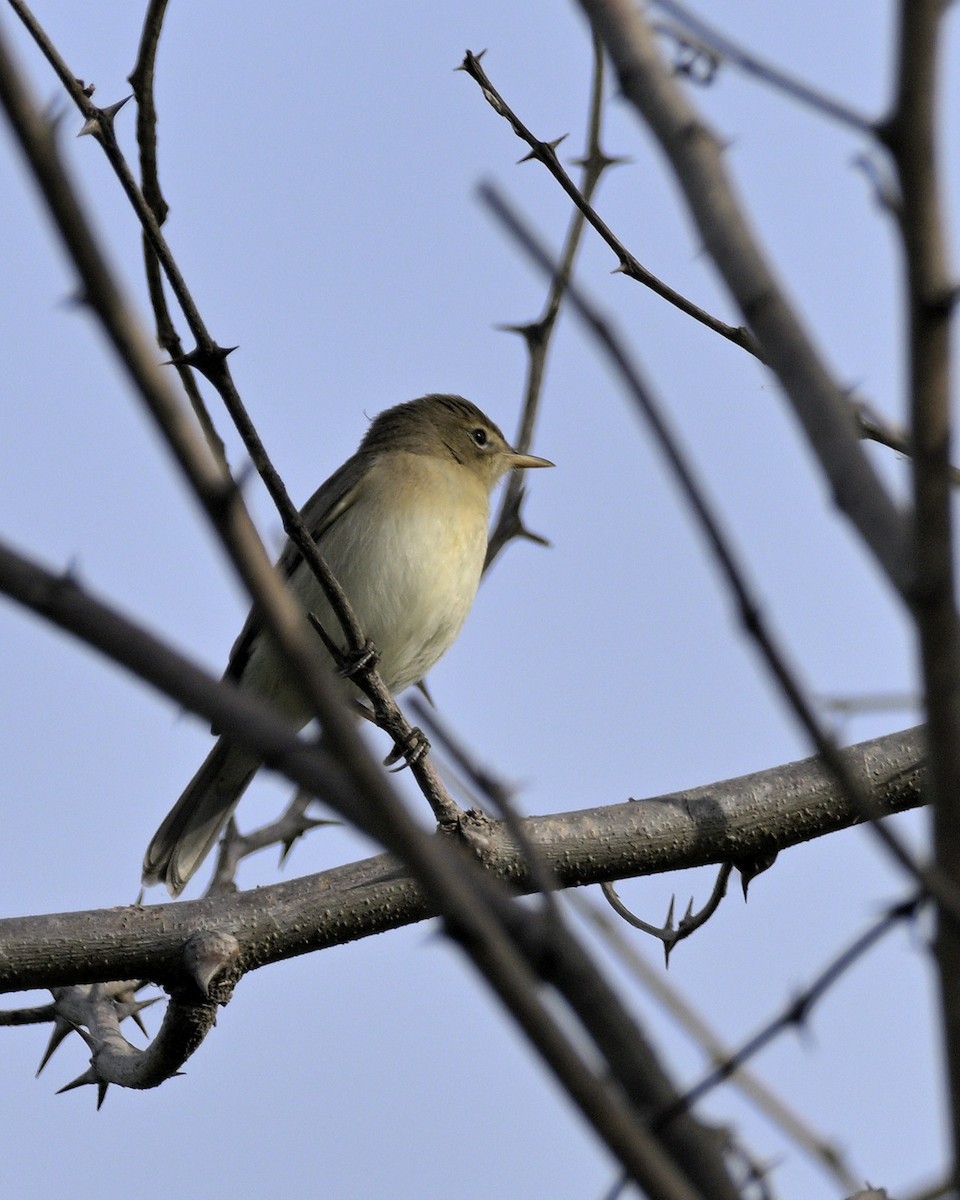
523	934
658	830
870	424
696	155
669	933
629	264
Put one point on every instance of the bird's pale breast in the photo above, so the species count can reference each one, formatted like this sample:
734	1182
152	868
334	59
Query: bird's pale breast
408	553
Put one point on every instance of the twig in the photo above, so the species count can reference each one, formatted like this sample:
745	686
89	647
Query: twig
798	801
496	793
826	1154
317	915
141	80
870	426
798	1010
629	265
668	933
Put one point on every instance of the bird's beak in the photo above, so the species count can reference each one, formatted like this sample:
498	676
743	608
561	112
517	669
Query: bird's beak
519	461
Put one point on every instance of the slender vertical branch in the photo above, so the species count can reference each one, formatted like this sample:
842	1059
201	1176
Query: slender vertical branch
911	136
142	81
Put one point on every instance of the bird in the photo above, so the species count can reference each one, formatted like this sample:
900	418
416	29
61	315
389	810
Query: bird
403	525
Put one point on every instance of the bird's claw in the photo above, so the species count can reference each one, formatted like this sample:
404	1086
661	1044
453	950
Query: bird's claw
414	746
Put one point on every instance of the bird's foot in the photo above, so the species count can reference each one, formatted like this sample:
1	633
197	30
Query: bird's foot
356	664
411	749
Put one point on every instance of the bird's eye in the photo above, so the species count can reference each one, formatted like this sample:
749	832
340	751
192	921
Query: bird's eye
479	436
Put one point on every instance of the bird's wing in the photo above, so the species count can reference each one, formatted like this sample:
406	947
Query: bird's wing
326	506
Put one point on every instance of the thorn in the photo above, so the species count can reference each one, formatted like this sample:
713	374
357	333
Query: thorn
112	109
100	121
87	1037
315	823
135	1008
600	161
61	1029
540	150
245	472
797	1013
89	1076
532	332
286	846
208	361
886	191
78	298
468	59
753	865
537	538
421	686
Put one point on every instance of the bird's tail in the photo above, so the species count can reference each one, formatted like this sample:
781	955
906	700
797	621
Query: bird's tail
188	832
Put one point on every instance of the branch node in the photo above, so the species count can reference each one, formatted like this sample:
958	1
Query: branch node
208	360
542	151
100	122
208	955
532	332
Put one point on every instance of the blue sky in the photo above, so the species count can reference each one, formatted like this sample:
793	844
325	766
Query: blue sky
321	164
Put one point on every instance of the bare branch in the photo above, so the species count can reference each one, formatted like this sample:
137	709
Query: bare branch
208	357
911	135
141	80
870	425
494	932
629	264
769	810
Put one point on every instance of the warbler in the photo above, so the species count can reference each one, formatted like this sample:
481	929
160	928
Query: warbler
403	525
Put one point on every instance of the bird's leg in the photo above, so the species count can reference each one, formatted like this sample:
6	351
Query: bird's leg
414	744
